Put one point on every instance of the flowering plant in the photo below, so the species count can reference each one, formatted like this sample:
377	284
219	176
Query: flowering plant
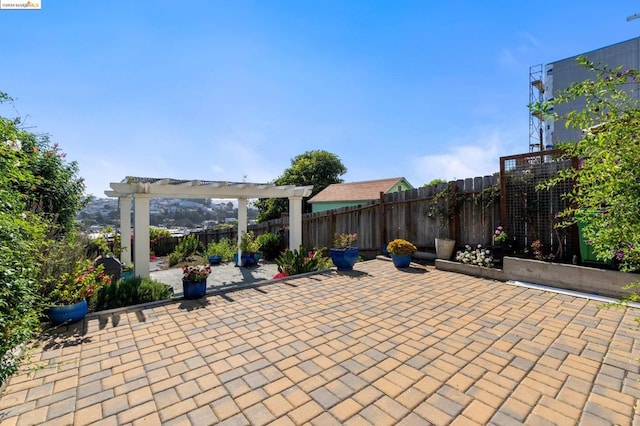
478	256
499	235
83	282
195	272
344	241
401	247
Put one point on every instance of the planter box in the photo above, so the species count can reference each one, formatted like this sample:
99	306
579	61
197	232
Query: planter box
569	277
558	275
476	271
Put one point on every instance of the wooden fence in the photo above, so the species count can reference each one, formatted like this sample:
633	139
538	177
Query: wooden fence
466	210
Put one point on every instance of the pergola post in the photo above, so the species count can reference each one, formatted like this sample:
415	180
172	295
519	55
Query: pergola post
295	222
242	223
125	229
141	235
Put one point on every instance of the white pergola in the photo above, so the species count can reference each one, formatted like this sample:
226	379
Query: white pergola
141	190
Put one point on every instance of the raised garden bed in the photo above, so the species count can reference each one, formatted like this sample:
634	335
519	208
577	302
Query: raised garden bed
569	277
476	271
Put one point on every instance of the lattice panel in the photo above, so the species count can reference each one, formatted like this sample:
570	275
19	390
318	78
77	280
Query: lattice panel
530	213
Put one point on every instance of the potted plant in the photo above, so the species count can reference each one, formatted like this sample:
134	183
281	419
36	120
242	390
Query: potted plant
443	208
194	280
249	246
70	293
344	253
128	271
501	246
401	251
445	248
212	254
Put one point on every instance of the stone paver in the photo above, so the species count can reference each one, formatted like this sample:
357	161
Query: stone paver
373	346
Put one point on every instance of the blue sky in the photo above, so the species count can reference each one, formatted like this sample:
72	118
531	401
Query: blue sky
233	90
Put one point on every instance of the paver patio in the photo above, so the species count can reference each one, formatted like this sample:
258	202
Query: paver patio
374	346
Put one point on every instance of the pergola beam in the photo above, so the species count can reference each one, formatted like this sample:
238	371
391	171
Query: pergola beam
197	189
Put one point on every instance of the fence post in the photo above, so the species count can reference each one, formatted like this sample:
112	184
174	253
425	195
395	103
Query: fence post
454	219
503	193
383	221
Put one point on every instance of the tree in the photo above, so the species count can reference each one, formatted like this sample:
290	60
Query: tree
434	182
318	168
605	200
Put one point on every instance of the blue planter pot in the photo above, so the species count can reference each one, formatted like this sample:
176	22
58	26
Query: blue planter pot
247	259
194	289
68	313
401	260
215	260
127	275
344	259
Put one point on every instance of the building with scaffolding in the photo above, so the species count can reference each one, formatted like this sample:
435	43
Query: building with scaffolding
545	82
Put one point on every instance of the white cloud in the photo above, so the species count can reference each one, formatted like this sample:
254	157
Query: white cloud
533	41
515	54
507	58
245	156
468	160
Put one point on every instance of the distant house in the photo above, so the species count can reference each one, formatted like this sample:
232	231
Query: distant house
355	193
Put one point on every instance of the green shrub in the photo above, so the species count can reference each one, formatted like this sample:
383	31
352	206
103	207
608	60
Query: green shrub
248	242
98	247
294	262
129	292
225	248
269	245
58	258
188	246
158	241
155	233
174	258
324	262
22	234
40	194
20	305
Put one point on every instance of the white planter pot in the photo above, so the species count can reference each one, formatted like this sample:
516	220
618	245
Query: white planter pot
444	248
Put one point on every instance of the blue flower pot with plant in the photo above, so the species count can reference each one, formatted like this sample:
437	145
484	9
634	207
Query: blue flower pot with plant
343	252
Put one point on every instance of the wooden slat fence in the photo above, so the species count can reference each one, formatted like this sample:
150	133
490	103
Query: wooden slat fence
467	210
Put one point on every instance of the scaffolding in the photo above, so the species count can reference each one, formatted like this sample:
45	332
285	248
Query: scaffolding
536	114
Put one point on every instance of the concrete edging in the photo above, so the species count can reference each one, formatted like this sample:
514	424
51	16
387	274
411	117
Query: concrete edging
476	271
570	277
558	275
